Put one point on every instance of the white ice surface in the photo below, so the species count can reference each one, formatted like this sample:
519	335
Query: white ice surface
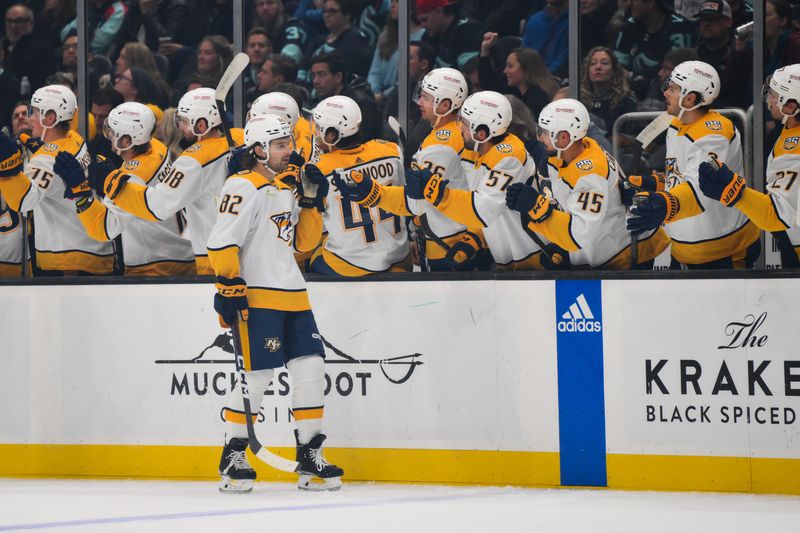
156	506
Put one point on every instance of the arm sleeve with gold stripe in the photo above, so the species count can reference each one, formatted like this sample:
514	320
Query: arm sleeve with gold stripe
103	221
688	199
180	188
393	200
27	189
232	226
761	210
308	230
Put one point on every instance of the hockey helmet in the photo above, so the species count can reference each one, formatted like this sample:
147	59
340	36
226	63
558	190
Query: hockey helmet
56	98
564	115
197	104
279	104
338	113
130	119
486	109
262	130
699	77
785	83
443	84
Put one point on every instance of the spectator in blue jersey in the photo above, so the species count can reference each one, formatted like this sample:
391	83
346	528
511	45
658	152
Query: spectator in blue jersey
456	40
348	42
547	32
287	35
105	21
648	34
157	20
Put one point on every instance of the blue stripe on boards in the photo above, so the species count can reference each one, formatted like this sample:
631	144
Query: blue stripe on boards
581	403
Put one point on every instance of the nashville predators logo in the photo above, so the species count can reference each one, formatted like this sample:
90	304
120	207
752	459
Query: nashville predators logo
504	148
790	143
673	173
443	135
284	224
714	125
273	344
130	165
585	165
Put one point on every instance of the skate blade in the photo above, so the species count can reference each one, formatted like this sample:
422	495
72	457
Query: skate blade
308	482
235	486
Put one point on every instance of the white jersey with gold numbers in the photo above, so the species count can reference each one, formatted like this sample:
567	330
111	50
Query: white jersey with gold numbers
10	242
783	169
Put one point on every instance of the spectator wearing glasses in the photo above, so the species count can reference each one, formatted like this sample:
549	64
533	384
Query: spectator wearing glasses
69	55
348	42
26	54
137	85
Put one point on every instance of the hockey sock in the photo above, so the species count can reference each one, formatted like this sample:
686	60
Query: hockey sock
308	397
236	424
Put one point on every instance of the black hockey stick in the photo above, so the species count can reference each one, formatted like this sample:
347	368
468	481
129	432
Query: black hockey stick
236	67
268	457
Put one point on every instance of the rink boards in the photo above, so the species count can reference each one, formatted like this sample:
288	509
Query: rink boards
641	384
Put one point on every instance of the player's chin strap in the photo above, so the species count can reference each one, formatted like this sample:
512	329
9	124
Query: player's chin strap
685	109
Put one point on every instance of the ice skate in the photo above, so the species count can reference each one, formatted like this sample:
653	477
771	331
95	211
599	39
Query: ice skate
237	474
315	472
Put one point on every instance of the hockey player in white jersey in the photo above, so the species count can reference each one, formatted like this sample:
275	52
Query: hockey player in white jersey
262	293
150	248
703	233
775	211
61	241
285	107
586	184
500	159
361	240
194	180
10	241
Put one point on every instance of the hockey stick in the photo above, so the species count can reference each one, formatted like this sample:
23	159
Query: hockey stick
268	457
236	67
655	128
423	219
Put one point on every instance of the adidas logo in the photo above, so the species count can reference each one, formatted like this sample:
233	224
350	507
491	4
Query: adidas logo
579	318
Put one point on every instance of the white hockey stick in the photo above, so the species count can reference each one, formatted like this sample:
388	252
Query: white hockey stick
236	67
268	457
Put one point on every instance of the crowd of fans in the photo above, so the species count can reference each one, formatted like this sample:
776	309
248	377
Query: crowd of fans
154	51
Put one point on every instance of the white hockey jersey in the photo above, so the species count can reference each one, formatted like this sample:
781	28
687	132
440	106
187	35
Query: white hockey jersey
484	205
10	242
61	241
149	248
587	189
193	183
363	240
704	230
258	227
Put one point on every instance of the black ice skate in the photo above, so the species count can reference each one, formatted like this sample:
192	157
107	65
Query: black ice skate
237	475
315	472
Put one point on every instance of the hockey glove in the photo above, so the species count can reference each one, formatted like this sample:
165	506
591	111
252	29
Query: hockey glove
71	173
10	157
296	160
114	183
98	170
320	183
721	183
358	187
236	162
650	210
653	182
32	144
422	184
554	258
464	250
230	302
527	200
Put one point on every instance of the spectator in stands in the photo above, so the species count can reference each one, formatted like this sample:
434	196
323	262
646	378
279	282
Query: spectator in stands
651	31
52	18
287	35
26	54
715	23
547	32
138	55
688	9
526	75
655	93
169	134
502	18
213	56
160	20
258	47
348	42
421	60
595	17
383	73
9	93
137	85
105	20
330	77
471	74
781	48
309	13
276	69
370	18
455	40
69	55
198	81
604	89
103	102
742	12
20	122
